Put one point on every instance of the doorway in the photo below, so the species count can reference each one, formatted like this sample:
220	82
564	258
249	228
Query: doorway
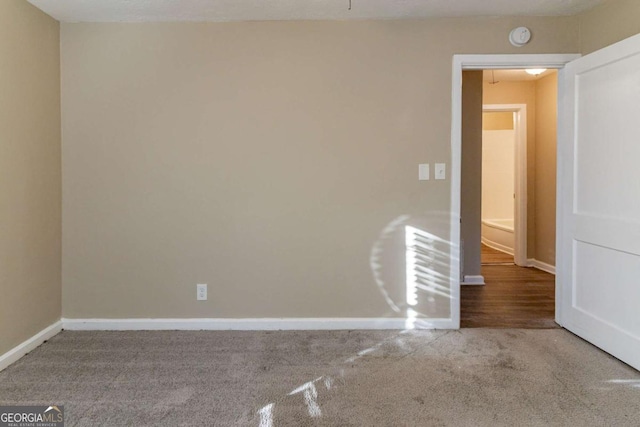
514	294
596	224
504	180
480	62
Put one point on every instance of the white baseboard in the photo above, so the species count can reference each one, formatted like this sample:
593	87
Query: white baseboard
269	324
472	280
497	246
541	266
31	344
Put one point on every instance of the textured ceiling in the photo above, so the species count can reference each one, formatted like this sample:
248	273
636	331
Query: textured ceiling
261	10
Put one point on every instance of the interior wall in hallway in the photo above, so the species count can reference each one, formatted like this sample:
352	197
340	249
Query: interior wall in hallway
498	167
546	167
521	92
471	180
540	96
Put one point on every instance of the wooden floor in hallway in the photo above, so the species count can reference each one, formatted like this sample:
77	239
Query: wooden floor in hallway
513	296
492	256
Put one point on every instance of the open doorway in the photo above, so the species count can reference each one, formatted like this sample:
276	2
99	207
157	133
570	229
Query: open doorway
503	190
596	242
518	167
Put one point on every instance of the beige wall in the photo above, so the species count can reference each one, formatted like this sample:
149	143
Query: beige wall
524	92
498	177
30	183
275	161
608	23
546	130
471	180
497	120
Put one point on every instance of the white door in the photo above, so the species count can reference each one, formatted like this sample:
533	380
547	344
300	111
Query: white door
599	199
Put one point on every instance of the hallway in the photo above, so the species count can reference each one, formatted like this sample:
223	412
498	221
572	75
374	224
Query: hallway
513	297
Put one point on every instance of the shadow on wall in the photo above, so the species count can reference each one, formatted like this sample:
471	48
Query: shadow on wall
411	264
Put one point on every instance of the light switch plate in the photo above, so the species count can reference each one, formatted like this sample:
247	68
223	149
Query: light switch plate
441	171
423	172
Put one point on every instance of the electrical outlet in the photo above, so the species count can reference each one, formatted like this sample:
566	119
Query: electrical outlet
201	292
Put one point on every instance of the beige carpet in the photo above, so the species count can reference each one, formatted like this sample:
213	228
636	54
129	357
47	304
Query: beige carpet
472	377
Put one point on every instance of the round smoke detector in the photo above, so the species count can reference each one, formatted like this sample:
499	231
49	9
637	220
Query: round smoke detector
520	36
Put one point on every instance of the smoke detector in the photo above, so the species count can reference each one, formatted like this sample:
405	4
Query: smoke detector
520	36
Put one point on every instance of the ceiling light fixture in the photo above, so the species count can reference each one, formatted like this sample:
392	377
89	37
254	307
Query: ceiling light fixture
535	71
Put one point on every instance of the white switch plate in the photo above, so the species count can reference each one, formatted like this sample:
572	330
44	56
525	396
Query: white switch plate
441	171
201	292
423	172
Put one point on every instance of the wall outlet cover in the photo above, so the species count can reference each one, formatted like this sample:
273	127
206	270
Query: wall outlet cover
201	292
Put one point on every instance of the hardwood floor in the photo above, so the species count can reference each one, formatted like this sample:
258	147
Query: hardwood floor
491	256
513	297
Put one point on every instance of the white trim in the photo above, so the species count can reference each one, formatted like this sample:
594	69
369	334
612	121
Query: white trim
519	251
473	280
497	246
485	62
541	266
562	180
496	62
31	344
268	324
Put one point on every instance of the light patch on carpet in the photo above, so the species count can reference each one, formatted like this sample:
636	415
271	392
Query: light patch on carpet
328	382
310	394
266	415
630	383
364	352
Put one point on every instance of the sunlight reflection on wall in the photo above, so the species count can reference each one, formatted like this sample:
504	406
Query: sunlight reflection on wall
412	266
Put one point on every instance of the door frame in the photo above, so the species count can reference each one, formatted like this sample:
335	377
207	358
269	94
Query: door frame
488	62
520	172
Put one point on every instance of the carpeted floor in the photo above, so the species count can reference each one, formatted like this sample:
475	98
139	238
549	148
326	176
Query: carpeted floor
470	377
